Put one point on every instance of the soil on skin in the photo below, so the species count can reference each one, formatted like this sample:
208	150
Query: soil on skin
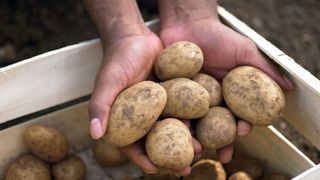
29	28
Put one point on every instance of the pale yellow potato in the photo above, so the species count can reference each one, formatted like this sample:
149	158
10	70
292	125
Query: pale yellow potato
70	168
206	169
107	155
134	112
217	129
169	144
212	86
186	99
240	176
28	167
180	59
47	143
252	95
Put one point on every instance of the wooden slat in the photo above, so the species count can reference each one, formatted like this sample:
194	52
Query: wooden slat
302	110
311	174
72	121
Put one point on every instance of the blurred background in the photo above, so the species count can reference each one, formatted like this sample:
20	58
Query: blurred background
29	28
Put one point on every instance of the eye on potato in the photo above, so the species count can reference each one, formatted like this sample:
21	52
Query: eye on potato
134	112
186	99
46	143
252	95
169	144
28	167
207	169
180	59
70	168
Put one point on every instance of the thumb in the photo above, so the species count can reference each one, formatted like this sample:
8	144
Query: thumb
109	83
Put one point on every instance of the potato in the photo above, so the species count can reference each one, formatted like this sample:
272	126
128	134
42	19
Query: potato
163	173
275	177
169	144
180	59
252	95
107	155
70	168
240	176
212	86
186	99
217	129
134	112
207	169
48	144
28	167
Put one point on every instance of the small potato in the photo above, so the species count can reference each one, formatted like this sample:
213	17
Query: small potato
48	144
70	168
276	177
217	129
207	169
169	144
240	176
180	59
107	155
186	99
134	112
28	167
252	95
212	86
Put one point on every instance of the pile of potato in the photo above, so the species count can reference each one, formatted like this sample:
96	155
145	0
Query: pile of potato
49	158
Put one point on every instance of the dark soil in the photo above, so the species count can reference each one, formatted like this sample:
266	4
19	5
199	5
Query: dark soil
29	28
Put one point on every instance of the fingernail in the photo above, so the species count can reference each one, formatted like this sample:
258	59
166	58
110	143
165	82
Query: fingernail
243	133
225	159
150	171
96	128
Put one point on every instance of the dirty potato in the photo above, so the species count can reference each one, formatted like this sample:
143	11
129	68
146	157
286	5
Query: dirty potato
186	99
70	168
212	86
180	59
217	129
134	112
252	95
169	144
47	143
207	169
28	167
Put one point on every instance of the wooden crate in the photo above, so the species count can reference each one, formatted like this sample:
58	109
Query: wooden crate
30	87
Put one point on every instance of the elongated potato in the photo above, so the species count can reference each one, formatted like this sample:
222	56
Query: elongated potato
252	95
169	144
186	99
217	129
180	59
206	169
134	112
212	86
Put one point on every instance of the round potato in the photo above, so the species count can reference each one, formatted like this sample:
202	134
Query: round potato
212	86
169	144
180	59
134	112
47	143
240	176
107	155
252	95
217	129
186	99
28	167
207	169
70	168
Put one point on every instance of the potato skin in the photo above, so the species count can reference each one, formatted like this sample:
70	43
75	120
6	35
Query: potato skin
207	169
252	95
107	155
240	176
28	167
134	112
70	168
186	99
180	59
169	144
217	129
47	143
212	86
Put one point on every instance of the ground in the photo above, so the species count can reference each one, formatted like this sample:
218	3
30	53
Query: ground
29	28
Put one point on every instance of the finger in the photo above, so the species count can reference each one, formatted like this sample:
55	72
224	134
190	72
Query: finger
225	153
183	172
187	123
243	128
138	156
217	73
196	146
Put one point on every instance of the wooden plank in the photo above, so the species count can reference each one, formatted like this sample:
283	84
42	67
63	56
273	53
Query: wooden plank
302	110
72	121
311	174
